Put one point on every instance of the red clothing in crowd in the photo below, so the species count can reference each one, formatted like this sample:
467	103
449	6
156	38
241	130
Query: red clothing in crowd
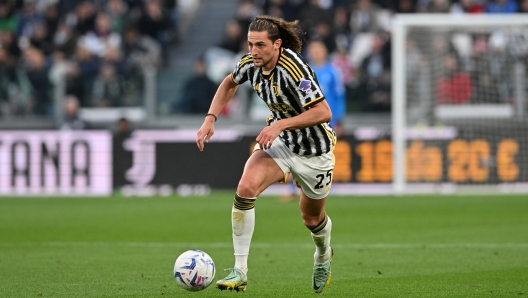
455	89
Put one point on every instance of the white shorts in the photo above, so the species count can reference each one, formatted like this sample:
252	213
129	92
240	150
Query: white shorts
312	173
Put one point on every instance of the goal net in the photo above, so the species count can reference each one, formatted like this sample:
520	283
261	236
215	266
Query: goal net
459	118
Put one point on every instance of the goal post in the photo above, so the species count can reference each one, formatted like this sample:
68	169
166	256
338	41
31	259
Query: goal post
459	121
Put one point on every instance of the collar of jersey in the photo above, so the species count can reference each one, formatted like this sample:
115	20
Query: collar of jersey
268	76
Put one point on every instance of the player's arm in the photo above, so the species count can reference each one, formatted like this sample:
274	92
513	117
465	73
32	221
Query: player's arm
318	113
224	93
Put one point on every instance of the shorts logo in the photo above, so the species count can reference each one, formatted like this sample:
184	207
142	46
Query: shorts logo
305	86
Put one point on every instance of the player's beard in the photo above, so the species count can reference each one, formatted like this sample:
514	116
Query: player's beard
263	62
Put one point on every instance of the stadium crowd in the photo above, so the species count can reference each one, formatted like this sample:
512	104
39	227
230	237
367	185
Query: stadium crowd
95	48
357	35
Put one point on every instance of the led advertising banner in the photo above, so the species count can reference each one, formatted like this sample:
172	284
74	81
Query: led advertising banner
44	163
437	159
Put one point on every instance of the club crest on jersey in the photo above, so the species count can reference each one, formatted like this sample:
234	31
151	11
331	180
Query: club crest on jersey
305	86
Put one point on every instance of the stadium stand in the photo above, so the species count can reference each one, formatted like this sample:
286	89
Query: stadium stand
138	54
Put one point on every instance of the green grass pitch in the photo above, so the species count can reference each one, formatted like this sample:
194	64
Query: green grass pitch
411	246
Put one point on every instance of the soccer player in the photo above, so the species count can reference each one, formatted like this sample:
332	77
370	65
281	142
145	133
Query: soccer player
332	85
297	140
330	82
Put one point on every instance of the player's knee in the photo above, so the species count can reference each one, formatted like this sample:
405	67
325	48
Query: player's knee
246	190
310	221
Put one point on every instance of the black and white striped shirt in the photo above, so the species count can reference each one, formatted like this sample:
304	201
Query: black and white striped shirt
290	89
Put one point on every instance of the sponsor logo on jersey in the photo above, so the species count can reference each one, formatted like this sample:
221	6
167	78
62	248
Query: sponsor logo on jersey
305	86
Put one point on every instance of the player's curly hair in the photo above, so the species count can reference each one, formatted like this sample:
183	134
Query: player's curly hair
289	32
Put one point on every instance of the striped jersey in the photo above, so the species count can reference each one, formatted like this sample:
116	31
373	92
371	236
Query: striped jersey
290	89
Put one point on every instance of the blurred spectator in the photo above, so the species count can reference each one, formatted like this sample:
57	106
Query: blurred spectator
341	61
74	83
135	10
40	40
29	20
123	129
133	4
467	6
375	75
51	18
42	5
495	61
441	46
455	86
345	67
275	11
157	24
523	6
364	17
8	42
70	120
406	6
279	8
323	32
121	158
67	6
102	41
246	13
341	24
502	6
12	98
88	66
232	37
140	50
8	17
417	76
310	14
65	39
389	5
171	8
116	10
414	63
37	72
438	6
330	82
84	17
482	74
421	5
108	87
198	92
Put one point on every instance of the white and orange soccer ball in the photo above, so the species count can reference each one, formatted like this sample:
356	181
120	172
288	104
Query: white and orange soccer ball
194	270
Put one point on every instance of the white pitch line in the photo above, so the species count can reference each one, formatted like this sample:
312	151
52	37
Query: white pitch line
266	245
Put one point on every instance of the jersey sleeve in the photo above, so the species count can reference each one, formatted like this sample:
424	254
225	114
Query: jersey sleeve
309	91
301	78
240	73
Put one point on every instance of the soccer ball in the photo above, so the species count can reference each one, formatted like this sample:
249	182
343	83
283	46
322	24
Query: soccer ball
194	270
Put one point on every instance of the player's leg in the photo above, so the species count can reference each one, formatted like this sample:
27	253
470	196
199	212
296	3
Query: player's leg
260	172
292	192
320	225
314	175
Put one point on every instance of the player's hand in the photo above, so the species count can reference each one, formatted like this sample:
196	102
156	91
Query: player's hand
205	133
267	136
